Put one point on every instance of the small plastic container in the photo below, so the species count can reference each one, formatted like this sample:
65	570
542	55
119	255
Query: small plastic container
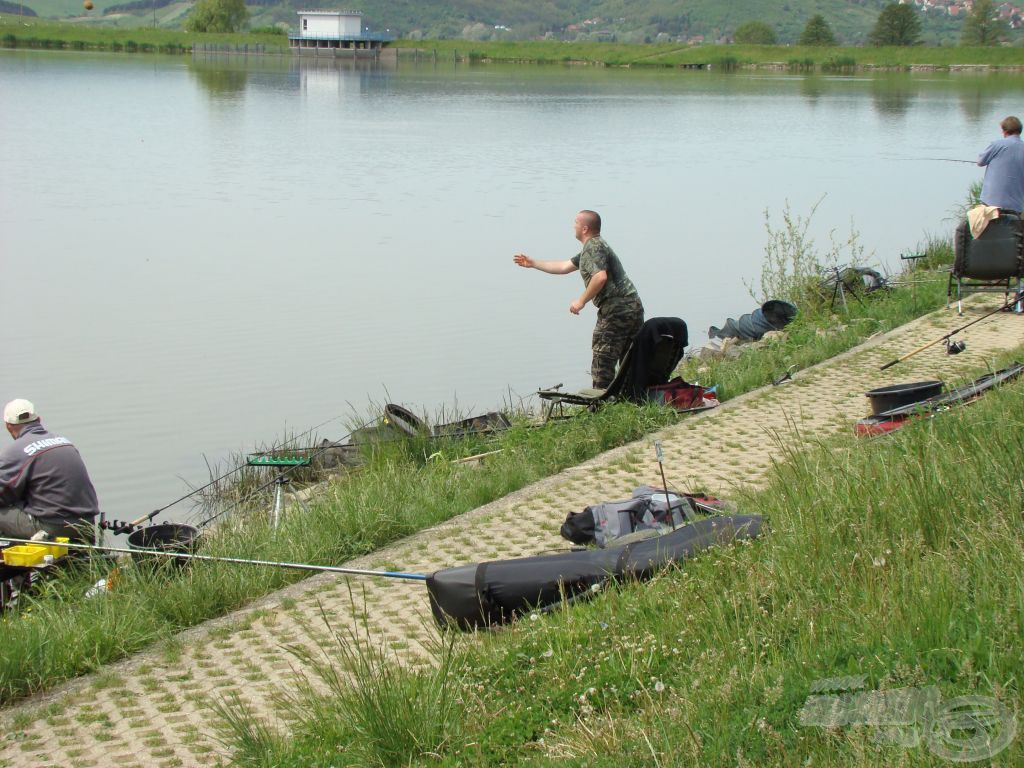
55	549
25	555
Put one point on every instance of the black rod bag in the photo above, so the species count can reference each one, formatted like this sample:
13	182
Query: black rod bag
495	592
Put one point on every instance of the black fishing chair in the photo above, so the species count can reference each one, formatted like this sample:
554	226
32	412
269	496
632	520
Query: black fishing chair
649	360
990	263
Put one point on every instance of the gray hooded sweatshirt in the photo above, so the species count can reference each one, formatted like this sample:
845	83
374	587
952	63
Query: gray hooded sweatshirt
44	474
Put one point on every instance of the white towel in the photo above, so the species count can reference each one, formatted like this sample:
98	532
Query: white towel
979	216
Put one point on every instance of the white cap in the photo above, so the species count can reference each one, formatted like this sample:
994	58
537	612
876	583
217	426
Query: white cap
19	412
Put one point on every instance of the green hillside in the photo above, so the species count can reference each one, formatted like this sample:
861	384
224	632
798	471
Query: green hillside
633	21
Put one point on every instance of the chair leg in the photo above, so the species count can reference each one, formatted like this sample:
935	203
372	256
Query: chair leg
959	298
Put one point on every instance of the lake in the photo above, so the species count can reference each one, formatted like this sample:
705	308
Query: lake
200	255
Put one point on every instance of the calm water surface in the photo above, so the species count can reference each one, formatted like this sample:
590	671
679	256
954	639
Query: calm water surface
197	256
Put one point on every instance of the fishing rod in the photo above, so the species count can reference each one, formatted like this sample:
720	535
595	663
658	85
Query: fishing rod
284	472
118	527
957	346
236	560
935	159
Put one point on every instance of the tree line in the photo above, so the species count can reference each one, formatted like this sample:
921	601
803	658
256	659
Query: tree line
896	25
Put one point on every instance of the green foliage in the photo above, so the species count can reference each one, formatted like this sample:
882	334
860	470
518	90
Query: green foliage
983	25
754	33
897	25
217	16
793	269
817	32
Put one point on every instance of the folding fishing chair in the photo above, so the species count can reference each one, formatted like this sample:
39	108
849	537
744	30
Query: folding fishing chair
649	360
990	263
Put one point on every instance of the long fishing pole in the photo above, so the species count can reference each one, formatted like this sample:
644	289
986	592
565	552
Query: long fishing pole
936	159
126	527
1017	297
251	495
236	560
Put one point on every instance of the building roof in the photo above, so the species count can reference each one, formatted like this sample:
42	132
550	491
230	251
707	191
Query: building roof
330	13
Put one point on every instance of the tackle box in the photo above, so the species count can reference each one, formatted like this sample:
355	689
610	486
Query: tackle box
25	554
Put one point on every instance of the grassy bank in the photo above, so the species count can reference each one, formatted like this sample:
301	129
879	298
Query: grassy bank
27	32
398	491
898	562
724	56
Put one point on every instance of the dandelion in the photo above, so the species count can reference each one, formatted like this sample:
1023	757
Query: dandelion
878	562
548	653
534	616
659	687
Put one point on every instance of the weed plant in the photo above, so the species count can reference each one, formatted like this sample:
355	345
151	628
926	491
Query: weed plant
898	559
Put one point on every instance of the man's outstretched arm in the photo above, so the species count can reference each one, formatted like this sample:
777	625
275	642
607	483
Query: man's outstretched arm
551	267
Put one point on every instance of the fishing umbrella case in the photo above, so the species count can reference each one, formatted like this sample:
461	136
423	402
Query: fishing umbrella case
495	592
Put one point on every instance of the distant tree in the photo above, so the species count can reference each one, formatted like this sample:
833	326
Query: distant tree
983	27
817	32
754	33
896	25
217	16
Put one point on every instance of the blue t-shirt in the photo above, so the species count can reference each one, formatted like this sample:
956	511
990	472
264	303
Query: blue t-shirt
1004	173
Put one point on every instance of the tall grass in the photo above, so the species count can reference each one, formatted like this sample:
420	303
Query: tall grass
899	559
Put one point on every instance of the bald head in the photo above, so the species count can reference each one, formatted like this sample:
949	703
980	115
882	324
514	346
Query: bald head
587	225
592	220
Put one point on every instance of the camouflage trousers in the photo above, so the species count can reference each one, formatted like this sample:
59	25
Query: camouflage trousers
616	327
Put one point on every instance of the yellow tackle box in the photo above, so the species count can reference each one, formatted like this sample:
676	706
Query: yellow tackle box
56	549
26	554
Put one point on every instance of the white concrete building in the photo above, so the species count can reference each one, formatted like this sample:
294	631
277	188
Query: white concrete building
335	33
333	25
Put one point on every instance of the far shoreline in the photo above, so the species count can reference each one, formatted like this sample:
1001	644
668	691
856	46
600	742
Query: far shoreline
33	33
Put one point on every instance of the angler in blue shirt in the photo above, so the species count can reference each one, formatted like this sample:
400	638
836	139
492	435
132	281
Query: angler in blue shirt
1003	161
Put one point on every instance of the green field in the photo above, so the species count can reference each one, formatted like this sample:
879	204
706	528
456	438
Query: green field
22	31
728	56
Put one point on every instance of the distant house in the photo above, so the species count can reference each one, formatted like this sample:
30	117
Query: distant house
335	32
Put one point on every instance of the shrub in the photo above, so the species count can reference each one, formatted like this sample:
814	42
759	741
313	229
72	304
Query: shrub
754	33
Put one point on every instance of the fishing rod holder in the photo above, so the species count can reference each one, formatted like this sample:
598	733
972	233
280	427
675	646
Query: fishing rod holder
284	465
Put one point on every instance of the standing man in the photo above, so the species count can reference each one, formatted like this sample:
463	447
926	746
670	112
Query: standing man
619	311
43	482
1003	161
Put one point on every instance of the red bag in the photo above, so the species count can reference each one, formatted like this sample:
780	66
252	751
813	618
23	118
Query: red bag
682	396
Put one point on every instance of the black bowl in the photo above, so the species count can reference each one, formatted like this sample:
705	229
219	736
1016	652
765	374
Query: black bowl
898	395
168	537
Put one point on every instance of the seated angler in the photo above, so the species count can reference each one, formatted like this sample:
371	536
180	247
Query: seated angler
44	485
